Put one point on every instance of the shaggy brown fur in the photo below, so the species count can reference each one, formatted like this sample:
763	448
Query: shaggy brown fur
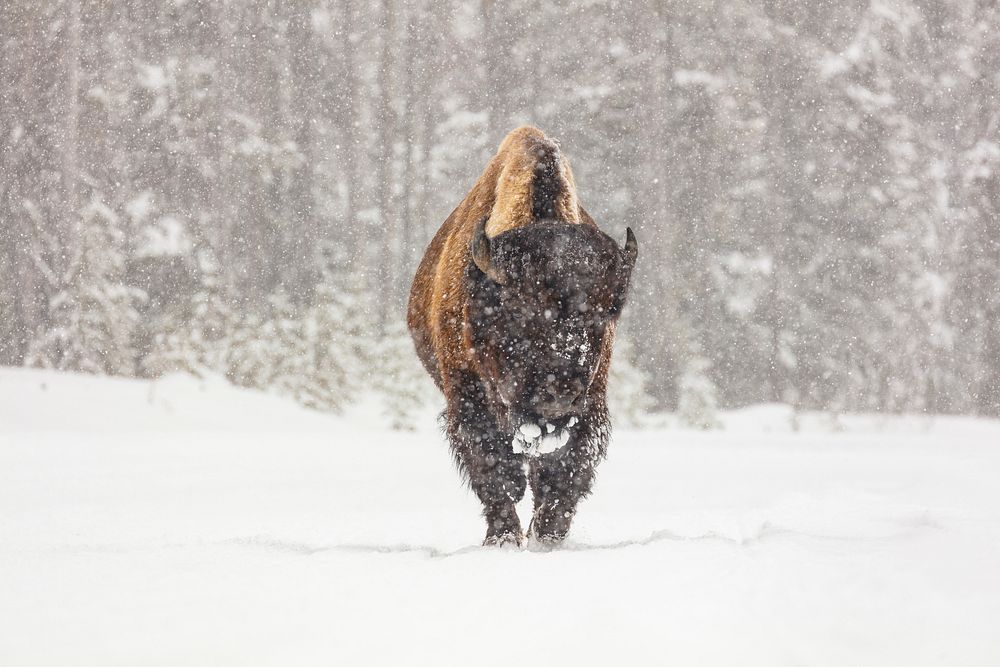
536	251
502	195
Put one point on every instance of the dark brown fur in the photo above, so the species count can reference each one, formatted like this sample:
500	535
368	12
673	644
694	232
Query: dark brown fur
521	332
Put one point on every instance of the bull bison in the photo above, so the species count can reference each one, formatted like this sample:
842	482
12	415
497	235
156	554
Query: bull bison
512	312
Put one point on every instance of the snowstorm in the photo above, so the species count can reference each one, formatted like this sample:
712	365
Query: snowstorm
691	307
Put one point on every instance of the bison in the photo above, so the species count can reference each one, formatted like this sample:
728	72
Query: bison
512	312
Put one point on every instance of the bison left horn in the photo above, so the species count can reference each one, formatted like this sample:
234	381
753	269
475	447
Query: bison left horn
482	254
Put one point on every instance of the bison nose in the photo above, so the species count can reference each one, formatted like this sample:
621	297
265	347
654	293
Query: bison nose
559	399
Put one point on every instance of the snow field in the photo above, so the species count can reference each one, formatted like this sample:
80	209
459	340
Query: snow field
188	522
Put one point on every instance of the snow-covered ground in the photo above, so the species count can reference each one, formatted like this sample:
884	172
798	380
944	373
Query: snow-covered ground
188	522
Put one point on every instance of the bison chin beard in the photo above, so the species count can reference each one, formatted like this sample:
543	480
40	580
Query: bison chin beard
536	437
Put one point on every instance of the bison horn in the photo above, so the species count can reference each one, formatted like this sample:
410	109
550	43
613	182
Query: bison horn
631	250
482	254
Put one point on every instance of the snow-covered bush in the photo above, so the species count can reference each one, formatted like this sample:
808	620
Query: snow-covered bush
402	384
697	402
628	399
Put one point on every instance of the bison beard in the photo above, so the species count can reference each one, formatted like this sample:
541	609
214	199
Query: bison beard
512	312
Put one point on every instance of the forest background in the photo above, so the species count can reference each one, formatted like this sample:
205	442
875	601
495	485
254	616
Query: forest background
245	188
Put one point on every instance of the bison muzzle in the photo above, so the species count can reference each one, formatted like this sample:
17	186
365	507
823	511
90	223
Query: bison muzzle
513	312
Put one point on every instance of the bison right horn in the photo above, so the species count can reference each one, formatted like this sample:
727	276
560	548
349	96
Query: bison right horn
482	254
631	250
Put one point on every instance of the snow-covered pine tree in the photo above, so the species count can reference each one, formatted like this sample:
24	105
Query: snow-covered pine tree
197	339
324	354
346	322
628	400
401	382
280	350
92	317
329	369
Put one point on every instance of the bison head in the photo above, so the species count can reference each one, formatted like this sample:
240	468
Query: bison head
542	299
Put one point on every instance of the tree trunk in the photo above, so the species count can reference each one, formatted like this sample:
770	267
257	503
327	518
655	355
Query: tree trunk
70	138
384	167
348	119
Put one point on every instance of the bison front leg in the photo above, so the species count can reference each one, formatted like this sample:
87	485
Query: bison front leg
560	480
495	473
499	481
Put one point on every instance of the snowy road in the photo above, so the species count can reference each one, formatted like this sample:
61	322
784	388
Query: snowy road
178	524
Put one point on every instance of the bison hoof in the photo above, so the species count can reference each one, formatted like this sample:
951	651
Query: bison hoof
542	540
543	543
504	540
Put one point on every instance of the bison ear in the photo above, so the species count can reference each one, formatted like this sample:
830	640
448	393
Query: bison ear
482	254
